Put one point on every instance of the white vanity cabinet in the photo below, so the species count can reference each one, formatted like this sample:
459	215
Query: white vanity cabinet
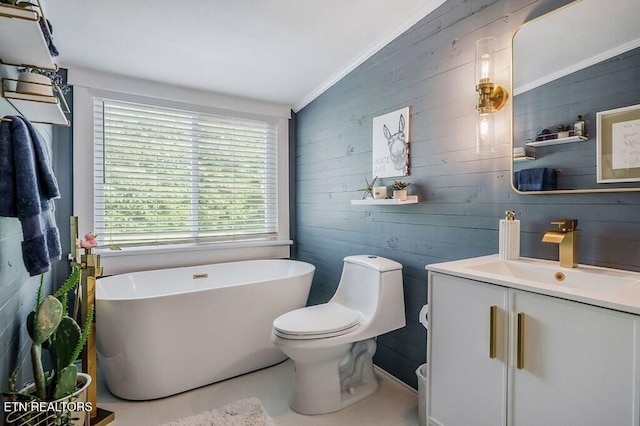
504	356
579	364
466	385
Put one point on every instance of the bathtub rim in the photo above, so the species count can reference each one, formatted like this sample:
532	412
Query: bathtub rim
99	282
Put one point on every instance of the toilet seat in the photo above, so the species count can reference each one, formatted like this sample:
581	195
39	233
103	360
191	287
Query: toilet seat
317	322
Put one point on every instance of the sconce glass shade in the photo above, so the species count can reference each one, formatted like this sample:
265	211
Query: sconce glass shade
484	133
485	48
491	97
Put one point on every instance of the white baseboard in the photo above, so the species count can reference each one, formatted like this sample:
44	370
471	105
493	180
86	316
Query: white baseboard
392	378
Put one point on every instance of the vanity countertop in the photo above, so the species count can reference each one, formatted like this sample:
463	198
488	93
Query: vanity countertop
605	287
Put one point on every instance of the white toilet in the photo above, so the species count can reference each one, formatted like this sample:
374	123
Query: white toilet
333	344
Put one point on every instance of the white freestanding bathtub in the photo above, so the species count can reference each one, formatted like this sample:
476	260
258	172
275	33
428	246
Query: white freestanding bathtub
168	331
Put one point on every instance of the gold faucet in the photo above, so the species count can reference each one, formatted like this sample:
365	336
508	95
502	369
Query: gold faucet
567	238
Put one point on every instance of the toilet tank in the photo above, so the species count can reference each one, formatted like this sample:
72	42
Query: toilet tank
373	286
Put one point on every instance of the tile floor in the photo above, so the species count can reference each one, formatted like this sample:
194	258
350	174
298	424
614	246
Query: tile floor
393	404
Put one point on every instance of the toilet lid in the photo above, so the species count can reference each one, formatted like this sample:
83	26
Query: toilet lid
326	320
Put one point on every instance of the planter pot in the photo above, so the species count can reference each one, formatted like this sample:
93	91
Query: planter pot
34	84
400	194
48	413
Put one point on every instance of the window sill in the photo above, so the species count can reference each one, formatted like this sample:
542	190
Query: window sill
133	259
181	248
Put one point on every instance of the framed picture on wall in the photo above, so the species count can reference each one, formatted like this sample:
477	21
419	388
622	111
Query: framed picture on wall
391	144
618	145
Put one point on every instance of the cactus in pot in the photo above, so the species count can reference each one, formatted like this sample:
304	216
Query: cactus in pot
399	185
50	328
400	189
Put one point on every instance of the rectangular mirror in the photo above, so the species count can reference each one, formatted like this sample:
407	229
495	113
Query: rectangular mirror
579	60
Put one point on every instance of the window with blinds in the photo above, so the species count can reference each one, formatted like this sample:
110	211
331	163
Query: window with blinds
166	176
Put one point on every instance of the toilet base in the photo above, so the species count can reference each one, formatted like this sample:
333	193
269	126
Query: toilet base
337	378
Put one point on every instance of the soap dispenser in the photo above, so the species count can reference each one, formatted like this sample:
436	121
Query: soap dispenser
509	236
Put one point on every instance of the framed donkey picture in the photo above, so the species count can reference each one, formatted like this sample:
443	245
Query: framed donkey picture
391	144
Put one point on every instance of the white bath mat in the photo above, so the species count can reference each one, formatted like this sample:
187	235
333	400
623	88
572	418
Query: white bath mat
246	412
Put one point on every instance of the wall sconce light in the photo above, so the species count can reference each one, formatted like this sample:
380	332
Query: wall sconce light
492	97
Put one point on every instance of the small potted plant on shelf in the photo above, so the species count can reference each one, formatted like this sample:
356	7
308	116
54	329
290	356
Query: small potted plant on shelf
400	190
41	82
19	3
57	397
563	131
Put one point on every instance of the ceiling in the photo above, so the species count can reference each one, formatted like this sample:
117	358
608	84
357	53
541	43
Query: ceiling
282	51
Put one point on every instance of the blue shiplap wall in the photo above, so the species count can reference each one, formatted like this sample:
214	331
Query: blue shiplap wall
17	289
430	68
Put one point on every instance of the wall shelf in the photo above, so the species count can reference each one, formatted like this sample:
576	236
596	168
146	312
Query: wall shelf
21	40
558	141
23	44
37	108
411	199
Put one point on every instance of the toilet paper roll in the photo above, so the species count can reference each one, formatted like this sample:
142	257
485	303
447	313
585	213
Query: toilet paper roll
424	316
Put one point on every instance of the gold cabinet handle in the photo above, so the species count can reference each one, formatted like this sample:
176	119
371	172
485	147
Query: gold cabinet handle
520	351
493	317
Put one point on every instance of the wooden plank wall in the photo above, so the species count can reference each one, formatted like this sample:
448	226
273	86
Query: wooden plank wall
17	289
430	68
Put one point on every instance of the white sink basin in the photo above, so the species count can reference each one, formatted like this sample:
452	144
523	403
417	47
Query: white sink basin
612	288
584	277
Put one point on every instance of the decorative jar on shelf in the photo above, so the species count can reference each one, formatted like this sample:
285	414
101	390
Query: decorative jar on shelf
379	192
563	131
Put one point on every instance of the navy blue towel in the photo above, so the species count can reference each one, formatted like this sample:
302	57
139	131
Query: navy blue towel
538	179
53	50
27	190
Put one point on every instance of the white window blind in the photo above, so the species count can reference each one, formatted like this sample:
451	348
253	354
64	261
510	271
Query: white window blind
169	176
